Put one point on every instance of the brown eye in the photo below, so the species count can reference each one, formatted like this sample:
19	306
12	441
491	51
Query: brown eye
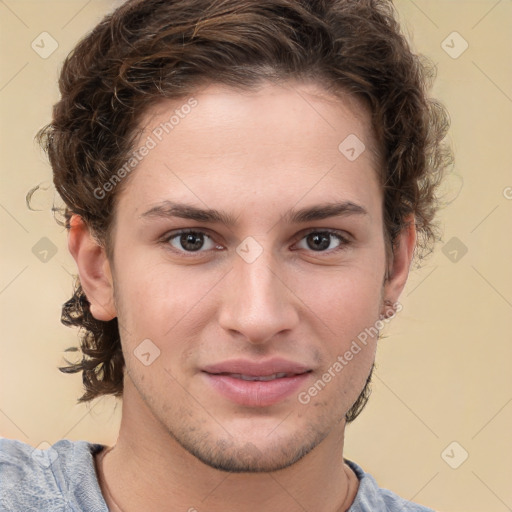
324	241
190	241
319	241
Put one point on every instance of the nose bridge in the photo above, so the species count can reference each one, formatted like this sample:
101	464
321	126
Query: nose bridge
259	279
259	305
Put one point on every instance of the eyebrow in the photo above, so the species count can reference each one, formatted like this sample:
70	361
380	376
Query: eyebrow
168	209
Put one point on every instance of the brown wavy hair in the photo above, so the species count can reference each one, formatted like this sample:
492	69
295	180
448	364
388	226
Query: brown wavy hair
148	50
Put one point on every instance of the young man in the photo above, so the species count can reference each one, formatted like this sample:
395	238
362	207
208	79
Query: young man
246	186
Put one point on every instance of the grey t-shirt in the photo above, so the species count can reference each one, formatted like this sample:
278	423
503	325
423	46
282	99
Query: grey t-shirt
62	478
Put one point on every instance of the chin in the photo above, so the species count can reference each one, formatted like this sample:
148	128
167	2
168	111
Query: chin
237	456
249	459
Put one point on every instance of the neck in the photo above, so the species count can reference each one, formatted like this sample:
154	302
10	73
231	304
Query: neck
148	469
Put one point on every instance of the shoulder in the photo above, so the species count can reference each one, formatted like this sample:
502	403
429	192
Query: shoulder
370	497
51	479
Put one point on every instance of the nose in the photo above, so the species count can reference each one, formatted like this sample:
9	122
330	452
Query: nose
259	302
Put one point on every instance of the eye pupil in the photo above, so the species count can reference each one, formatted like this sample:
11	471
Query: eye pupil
194	239
321	241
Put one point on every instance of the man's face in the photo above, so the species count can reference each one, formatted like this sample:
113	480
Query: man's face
265	287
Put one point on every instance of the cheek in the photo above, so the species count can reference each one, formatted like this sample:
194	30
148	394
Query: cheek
346	299
350	309
153	299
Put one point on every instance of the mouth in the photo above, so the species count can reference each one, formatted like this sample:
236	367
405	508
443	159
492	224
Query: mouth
257	368
253	388
263	378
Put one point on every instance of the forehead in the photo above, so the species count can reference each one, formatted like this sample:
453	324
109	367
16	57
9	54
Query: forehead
268	113
254	140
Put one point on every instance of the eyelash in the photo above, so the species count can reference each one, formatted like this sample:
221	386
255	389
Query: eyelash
344	241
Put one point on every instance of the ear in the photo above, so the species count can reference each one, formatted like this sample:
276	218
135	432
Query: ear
398	269
93	269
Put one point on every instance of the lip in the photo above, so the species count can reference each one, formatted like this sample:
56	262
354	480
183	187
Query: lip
257	368
256	393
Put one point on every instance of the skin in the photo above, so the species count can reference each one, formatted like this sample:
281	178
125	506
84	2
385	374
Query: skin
256	156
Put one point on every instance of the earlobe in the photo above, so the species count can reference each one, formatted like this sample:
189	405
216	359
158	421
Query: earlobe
93	269
401	262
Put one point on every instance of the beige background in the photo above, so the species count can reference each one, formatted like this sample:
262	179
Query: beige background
444	371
